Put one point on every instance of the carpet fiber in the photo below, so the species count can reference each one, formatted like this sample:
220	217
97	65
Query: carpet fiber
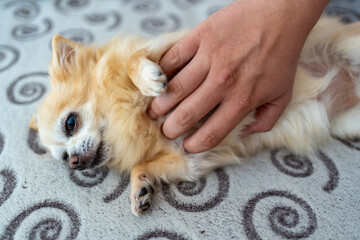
273	195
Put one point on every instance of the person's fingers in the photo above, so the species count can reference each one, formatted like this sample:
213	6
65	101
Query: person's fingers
184	83
266	116
220	123
193	108
179	54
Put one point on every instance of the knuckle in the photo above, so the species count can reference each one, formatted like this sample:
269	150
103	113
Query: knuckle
242	102
205	29
185	118
226	78
177	89
208	140
174	56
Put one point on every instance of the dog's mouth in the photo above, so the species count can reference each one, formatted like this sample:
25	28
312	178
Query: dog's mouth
99	157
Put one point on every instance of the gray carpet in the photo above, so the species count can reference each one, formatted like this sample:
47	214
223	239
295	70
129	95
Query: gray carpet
274	195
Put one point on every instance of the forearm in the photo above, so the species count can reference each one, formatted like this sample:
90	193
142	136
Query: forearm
303	12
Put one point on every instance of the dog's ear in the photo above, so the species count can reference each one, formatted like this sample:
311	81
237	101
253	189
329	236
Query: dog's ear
63	52
33	123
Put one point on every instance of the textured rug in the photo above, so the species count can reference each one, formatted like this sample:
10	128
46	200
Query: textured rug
273	195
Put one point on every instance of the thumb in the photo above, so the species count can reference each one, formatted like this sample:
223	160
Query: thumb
266	117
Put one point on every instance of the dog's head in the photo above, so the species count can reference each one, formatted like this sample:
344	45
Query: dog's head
70	122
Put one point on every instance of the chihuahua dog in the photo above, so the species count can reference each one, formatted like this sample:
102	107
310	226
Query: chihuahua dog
95	113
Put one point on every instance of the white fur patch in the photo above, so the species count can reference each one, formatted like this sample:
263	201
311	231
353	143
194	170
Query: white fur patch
346	125
350	49
152	80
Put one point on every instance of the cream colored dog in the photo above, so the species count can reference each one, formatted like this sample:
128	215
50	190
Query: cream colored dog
95	114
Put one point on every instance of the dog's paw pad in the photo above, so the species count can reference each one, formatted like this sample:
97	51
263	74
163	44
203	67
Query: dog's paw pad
152	78
141	197
143	192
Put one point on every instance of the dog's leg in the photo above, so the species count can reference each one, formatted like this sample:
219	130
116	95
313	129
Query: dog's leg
164	166
143	67
146	74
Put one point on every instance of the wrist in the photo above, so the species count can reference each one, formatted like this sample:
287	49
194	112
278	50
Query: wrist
312	9
301	14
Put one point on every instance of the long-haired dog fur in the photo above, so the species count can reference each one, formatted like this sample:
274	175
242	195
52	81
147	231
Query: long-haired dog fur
95	114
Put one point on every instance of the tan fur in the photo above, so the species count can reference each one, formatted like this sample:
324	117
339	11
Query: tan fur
110	87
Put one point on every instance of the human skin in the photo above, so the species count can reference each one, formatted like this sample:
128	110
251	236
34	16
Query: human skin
242	58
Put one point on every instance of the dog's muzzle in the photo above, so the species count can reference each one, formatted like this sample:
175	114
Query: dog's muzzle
89	160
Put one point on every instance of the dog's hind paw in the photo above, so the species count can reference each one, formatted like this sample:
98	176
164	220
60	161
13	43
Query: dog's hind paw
141	195
152	79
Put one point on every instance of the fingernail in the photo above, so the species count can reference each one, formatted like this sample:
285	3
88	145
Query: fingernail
151	114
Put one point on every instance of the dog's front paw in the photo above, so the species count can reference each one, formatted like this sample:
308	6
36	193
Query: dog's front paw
142	191
152	79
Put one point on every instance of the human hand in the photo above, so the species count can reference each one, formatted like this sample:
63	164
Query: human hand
240	59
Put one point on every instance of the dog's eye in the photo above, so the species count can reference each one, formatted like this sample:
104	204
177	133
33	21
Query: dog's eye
70	124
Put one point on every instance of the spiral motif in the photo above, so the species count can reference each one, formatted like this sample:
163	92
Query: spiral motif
49	227
30	31
46	229
8	57
26	10
296	166
79	35
296	221
285	216
158	25
9	184
67	5
33	142
89	178
94	177
333	181
27	88
1	143
147	6
103	18
120	188
292	165
193	190
354	143
347	15
157	233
